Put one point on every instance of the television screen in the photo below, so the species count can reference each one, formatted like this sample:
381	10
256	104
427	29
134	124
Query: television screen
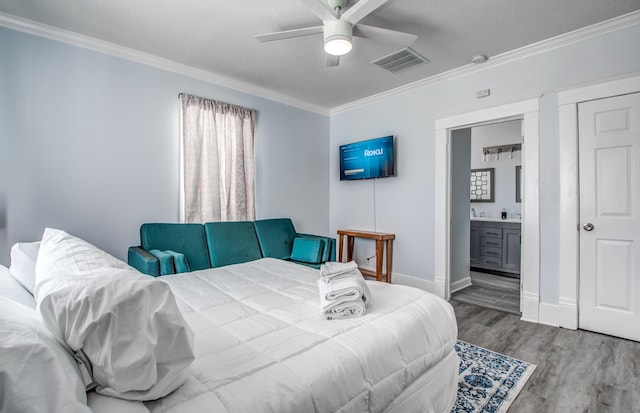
372	158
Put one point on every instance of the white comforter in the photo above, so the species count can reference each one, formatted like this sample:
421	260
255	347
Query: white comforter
262	345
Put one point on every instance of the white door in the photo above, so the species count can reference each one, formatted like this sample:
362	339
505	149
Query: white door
609	153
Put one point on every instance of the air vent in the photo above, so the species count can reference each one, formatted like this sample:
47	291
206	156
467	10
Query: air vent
401	60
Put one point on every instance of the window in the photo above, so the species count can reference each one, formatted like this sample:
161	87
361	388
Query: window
216	161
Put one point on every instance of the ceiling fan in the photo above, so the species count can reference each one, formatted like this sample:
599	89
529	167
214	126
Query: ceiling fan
340	26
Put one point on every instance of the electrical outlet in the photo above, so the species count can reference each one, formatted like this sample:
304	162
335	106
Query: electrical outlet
483	93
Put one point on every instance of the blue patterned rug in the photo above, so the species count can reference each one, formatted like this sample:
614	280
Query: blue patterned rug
488	381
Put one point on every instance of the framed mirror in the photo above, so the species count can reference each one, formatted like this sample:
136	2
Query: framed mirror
518	183
482	185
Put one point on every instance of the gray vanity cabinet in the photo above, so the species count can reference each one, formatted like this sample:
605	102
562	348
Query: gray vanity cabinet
495	246
475	247
511	249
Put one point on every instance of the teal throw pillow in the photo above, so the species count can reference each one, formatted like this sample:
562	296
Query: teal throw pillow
166	261
180	261
307	250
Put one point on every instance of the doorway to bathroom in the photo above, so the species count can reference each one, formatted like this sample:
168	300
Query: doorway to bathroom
486	199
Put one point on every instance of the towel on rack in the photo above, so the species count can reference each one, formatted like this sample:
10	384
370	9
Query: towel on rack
334	270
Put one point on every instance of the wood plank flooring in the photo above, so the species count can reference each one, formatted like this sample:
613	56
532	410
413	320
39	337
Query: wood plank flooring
577	371
493	291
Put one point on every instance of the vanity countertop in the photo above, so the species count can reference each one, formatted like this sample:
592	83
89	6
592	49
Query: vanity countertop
488	219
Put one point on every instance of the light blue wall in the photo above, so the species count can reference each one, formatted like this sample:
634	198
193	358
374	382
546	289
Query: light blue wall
404	205
89	144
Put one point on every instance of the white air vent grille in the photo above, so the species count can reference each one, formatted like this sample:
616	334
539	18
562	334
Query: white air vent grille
401	60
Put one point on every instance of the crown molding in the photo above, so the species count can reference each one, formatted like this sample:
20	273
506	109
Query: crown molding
112	49
86	42
607	26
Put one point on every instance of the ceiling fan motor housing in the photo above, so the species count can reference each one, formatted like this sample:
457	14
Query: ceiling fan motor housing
337	37
333	4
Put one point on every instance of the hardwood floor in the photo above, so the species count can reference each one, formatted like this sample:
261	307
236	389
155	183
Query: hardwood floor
493	291
577	371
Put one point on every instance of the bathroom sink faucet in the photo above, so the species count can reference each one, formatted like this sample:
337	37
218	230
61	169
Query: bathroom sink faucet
473	212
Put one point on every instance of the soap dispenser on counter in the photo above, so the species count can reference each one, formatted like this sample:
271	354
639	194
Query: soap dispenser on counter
503	214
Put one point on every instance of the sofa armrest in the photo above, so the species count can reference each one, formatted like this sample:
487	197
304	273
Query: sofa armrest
142	261
329	252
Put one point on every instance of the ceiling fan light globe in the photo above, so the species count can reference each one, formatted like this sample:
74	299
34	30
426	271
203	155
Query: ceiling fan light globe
337	37
337	45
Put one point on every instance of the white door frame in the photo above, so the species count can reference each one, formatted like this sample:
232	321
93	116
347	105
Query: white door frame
569	266
527	110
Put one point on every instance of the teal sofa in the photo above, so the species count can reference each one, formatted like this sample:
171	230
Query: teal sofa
173	248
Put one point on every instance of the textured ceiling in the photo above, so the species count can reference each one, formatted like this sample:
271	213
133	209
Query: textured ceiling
217	36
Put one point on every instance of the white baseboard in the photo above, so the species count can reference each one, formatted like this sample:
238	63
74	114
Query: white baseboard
460	284
562	315
403	279
568	313
529	307
548	314
411	281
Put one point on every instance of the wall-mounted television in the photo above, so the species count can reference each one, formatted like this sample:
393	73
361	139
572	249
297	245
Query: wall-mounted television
372	158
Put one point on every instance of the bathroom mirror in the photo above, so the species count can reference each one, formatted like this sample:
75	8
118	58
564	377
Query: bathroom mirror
518	183
482	185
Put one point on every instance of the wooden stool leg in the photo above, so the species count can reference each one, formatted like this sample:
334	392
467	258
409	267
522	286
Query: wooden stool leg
350	241
379	259
389	259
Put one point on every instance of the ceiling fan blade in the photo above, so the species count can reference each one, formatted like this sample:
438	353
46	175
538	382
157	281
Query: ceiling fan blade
360	10
332	60
288	34
319	8
384	35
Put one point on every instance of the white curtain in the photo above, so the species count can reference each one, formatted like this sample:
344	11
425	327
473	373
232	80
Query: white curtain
216	160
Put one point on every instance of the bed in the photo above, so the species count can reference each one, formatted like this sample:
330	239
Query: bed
260	345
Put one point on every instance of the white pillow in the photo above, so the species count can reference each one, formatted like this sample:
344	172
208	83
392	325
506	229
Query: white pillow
12	289
23	263
127	325
36	371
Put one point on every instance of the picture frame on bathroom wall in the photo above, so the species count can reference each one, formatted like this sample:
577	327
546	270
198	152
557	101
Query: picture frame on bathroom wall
481	189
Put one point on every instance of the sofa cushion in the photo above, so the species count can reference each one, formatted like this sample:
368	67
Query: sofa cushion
179	261
188	239
231	243
307	250
165	260
328	253
276	237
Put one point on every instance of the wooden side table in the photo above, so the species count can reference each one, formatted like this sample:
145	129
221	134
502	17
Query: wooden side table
384	244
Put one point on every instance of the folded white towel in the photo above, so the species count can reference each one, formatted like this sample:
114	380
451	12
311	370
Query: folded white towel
333	270
344	297
346	309
352	288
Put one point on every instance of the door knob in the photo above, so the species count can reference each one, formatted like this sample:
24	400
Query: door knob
588	226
